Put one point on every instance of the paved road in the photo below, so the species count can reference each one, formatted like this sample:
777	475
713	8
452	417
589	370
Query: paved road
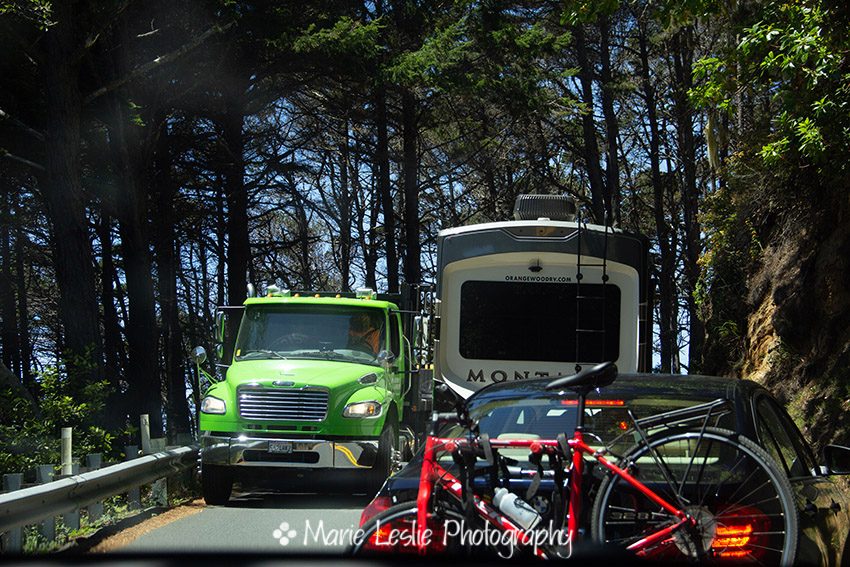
264	521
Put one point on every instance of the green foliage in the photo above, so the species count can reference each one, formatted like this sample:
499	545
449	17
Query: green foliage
793	57
446	52
588	11
347	38
36	11
711	90
135	113
29	436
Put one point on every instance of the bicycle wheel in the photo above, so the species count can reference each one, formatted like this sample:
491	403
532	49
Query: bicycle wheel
742	504
393	531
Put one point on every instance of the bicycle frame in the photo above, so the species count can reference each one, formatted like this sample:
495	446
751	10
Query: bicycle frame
434	473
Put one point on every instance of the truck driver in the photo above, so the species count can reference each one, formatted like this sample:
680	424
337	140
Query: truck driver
364	333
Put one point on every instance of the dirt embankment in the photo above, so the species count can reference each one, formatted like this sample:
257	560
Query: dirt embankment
794	316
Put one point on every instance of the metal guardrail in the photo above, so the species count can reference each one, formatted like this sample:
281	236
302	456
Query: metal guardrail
31	505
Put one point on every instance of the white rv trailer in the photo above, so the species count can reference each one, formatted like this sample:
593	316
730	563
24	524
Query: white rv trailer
539	296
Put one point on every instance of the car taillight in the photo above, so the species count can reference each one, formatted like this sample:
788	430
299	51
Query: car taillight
732	536
595	403
375	507
740	534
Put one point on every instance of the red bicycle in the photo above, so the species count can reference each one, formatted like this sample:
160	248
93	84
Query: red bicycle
686	491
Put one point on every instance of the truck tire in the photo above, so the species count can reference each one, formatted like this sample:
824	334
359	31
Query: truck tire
216	484
387	445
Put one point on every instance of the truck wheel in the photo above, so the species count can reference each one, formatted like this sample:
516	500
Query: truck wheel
387	445
216	484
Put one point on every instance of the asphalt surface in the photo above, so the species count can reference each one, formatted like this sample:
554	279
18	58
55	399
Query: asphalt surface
264	520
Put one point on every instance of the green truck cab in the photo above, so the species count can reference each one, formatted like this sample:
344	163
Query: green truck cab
318	381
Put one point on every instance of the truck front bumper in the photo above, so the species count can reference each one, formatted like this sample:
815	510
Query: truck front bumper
241	450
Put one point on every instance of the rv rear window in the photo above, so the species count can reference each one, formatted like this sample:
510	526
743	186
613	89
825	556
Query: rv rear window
539	321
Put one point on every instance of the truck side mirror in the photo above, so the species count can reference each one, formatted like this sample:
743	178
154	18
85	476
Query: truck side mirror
221	332
199	355
386	358
837	459
418	324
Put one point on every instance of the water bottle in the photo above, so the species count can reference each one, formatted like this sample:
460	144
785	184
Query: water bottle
516	508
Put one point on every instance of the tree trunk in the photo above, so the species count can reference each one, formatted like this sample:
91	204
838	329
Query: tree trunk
113	345
411	189
345	219
369	237
197	333
588	128
238	249
8	309
684	113
24	341
305	267
612	129
65	202
144	392
491	204
666	284
221	253
167	253
132	155
382	156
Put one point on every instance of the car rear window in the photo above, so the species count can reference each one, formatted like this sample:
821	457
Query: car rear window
607	420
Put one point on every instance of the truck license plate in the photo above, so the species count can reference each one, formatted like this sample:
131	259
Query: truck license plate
280	447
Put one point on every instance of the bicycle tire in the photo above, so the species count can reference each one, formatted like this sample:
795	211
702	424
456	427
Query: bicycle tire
405	510
445	541
401	518
742	512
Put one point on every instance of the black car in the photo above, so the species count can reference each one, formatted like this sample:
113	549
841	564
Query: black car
525	409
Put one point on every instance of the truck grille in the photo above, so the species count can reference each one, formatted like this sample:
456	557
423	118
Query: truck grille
286	404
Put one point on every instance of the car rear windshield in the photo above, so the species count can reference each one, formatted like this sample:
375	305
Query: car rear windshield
539	321
607	420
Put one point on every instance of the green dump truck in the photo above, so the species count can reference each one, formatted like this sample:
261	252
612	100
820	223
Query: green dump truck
315	381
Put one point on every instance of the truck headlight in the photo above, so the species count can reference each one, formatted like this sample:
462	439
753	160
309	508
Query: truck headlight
213	405
362	409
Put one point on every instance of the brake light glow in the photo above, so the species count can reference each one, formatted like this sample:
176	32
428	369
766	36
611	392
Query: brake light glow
732	536
595	403
735	554
375	507
741	534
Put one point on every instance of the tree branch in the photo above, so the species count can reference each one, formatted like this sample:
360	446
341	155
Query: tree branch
151	65
4	153
31	131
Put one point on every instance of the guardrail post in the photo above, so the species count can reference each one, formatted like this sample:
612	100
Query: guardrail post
72	519
159	488
13	540
134	500
145	432
67	459
93	462
43	475
68	468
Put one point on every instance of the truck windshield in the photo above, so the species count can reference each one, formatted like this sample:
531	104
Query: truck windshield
349	334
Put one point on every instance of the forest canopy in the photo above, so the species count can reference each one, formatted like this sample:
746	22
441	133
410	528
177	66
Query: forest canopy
156	157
